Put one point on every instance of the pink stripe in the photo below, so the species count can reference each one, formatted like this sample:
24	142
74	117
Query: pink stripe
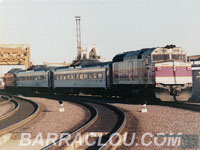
169	72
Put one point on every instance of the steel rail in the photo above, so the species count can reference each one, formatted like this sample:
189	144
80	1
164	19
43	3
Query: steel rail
12	111
180	105
121	121
21	122
93	118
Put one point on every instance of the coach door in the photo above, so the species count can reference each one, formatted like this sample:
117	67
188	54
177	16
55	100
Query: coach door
50	80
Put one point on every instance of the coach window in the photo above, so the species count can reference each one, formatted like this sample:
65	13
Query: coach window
95	75
90	75
85	76
77	76
72	76
42	77
68	76
100	75
81	76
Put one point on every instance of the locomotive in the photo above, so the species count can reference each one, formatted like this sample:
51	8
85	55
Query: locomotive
161	72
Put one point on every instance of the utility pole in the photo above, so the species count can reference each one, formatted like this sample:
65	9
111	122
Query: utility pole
78	36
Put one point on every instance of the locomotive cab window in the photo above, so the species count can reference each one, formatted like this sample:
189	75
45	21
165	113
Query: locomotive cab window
147	60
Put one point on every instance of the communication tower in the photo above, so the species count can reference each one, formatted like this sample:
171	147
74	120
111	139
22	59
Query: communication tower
78	36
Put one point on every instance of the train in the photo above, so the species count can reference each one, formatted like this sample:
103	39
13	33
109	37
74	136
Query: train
163	73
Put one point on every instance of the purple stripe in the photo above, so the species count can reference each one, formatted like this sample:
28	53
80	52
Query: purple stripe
169	72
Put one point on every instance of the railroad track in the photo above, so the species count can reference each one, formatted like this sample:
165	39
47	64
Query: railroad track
106	121
181	105
24	111
12	111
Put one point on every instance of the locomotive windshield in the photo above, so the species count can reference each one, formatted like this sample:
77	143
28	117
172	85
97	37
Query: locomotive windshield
178	57
160	57
165	57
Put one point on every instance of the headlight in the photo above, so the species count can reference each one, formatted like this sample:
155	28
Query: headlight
189	68
158	68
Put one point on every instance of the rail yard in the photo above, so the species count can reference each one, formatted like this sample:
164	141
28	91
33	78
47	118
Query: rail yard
141	93
95	107
143	98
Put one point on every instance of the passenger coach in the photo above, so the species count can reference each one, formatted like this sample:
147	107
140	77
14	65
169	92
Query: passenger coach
92	79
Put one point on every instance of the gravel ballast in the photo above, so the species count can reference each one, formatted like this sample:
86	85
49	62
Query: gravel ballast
158	119
50	120
5	108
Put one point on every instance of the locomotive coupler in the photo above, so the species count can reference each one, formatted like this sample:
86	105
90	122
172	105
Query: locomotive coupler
175	91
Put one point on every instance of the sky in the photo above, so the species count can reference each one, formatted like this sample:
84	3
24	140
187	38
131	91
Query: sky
114	26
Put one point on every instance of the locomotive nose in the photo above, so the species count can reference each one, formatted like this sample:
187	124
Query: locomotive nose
173	73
